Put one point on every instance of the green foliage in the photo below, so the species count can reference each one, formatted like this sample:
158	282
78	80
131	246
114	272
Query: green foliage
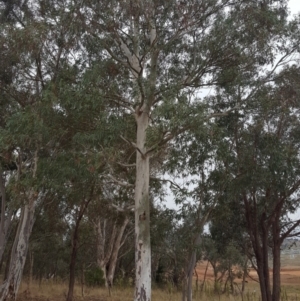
68	95
94	277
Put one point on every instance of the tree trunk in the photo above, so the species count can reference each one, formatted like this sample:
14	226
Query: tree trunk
188	291
258	232
266	262
276	262
75	246
114	254
9	288
193	257
75	243
204	277
31	260
104	248
5	221
184	289
142	212
262	267
262	283
244	276
189	271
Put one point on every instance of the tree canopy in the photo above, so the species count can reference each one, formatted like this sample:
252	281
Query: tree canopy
102	103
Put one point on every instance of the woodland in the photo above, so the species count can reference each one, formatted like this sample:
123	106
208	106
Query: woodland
112	109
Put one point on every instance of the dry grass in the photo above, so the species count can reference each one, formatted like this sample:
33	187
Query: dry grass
57	291
53	291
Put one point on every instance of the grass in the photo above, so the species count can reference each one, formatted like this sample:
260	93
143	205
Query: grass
50	291
55	291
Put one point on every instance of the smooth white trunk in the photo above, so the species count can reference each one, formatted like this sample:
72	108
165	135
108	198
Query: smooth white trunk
142	213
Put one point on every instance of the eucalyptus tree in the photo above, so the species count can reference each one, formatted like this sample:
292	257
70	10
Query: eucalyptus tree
260	158
49	244
110	217
77	167
158	55
227	246
21	152
38	62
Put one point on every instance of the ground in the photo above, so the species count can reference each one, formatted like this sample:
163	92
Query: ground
290	274
290	271
54	291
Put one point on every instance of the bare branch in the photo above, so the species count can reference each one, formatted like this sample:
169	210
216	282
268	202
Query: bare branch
122	209
121	183
134	145
126	165
166	180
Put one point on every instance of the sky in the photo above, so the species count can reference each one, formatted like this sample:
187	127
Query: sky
294	6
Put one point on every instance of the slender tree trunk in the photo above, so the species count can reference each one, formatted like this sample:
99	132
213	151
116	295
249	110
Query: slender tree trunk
100	246
184	289
31	260
188	294
75	243
5	221
193	256
258	232
230	276
262	267
214	266
262	284
265	260
115	252
244	277
276	264
82	280
142	212
204	277
197	279
104	248
11	285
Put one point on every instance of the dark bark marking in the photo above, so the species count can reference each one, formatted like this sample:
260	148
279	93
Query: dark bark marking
142	217
143	294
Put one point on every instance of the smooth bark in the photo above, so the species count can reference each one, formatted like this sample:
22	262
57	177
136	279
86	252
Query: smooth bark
142	212
104	244
11	285
115	253
109	242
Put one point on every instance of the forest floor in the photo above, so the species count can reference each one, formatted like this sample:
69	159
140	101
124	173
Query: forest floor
54	291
